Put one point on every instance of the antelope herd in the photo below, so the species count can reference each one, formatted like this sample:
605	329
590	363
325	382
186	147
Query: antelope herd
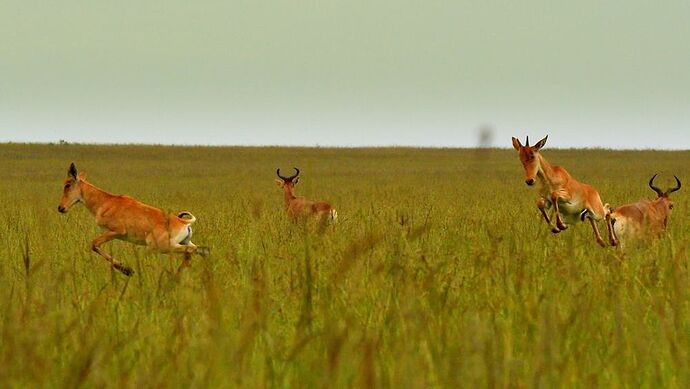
124	218
577	201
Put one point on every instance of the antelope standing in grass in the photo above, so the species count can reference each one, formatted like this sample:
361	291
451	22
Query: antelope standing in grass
643	219
127	219
571	200
299	207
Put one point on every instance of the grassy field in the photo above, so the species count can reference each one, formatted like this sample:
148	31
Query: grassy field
439	273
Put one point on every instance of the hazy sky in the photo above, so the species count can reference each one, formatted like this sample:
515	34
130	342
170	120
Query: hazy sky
588	73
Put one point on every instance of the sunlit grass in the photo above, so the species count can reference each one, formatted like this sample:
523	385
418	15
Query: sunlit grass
439	273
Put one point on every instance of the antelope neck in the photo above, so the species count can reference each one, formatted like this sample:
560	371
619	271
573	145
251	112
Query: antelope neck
289	194
92	196
545	171
660	205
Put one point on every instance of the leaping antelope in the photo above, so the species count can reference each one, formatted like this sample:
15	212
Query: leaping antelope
298	207
643	219
125	218
573	199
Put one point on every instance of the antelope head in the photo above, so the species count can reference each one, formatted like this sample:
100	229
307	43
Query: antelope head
287	182
529	158
71	193
662	196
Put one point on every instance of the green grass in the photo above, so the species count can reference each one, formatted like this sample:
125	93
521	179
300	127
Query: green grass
440	273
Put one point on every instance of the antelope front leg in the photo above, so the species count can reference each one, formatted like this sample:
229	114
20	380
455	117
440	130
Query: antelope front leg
597	235
96	247
541	204
559	222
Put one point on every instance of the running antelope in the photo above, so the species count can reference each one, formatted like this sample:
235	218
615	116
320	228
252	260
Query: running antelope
298	207
643	219
127	219
571	200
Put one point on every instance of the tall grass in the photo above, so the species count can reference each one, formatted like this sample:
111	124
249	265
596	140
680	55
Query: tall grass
440	272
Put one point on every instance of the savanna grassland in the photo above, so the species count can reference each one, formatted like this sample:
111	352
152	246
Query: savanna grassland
440	272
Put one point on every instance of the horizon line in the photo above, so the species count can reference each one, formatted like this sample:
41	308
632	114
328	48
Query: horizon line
317	146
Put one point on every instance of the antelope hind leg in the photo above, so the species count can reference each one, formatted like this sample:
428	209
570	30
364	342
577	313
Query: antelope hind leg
187	251
597	235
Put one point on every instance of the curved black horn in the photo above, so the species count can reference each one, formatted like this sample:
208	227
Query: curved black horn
677	188
527	143
654	188
288	179
295	175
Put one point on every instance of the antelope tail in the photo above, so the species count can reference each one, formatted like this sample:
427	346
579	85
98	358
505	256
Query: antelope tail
191	219
334	215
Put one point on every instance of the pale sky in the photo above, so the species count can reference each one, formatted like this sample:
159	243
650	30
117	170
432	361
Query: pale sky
346	73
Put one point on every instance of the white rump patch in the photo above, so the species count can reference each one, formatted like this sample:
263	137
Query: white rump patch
186	238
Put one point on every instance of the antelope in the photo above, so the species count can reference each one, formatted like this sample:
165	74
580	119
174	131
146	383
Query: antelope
124	218
571	200
300	207
643	219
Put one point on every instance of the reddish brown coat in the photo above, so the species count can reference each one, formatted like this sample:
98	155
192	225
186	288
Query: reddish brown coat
299	207
569	198
124	218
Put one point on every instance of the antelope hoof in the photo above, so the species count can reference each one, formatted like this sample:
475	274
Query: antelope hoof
614	243
555	230
601	242
126	270
203	251
562	226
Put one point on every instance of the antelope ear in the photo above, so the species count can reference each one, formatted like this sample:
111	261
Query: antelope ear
295	181
279	183
516	144
541	143
82	176
72	171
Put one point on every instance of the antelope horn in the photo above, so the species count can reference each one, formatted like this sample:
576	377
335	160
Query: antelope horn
654	188
288	179
295	175
677	188
527	143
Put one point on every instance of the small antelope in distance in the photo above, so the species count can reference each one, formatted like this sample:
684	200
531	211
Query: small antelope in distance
298	207
643	219
573	199
125	218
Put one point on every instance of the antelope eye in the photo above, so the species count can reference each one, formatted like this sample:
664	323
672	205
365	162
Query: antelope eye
67	186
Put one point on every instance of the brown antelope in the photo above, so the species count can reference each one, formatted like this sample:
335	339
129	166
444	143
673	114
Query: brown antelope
570	199
643	219
299	207
127	219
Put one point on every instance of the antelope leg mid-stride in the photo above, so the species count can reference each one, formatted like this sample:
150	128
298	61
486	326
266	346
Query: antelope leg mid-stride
571	200
643	219
124	218
298	207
